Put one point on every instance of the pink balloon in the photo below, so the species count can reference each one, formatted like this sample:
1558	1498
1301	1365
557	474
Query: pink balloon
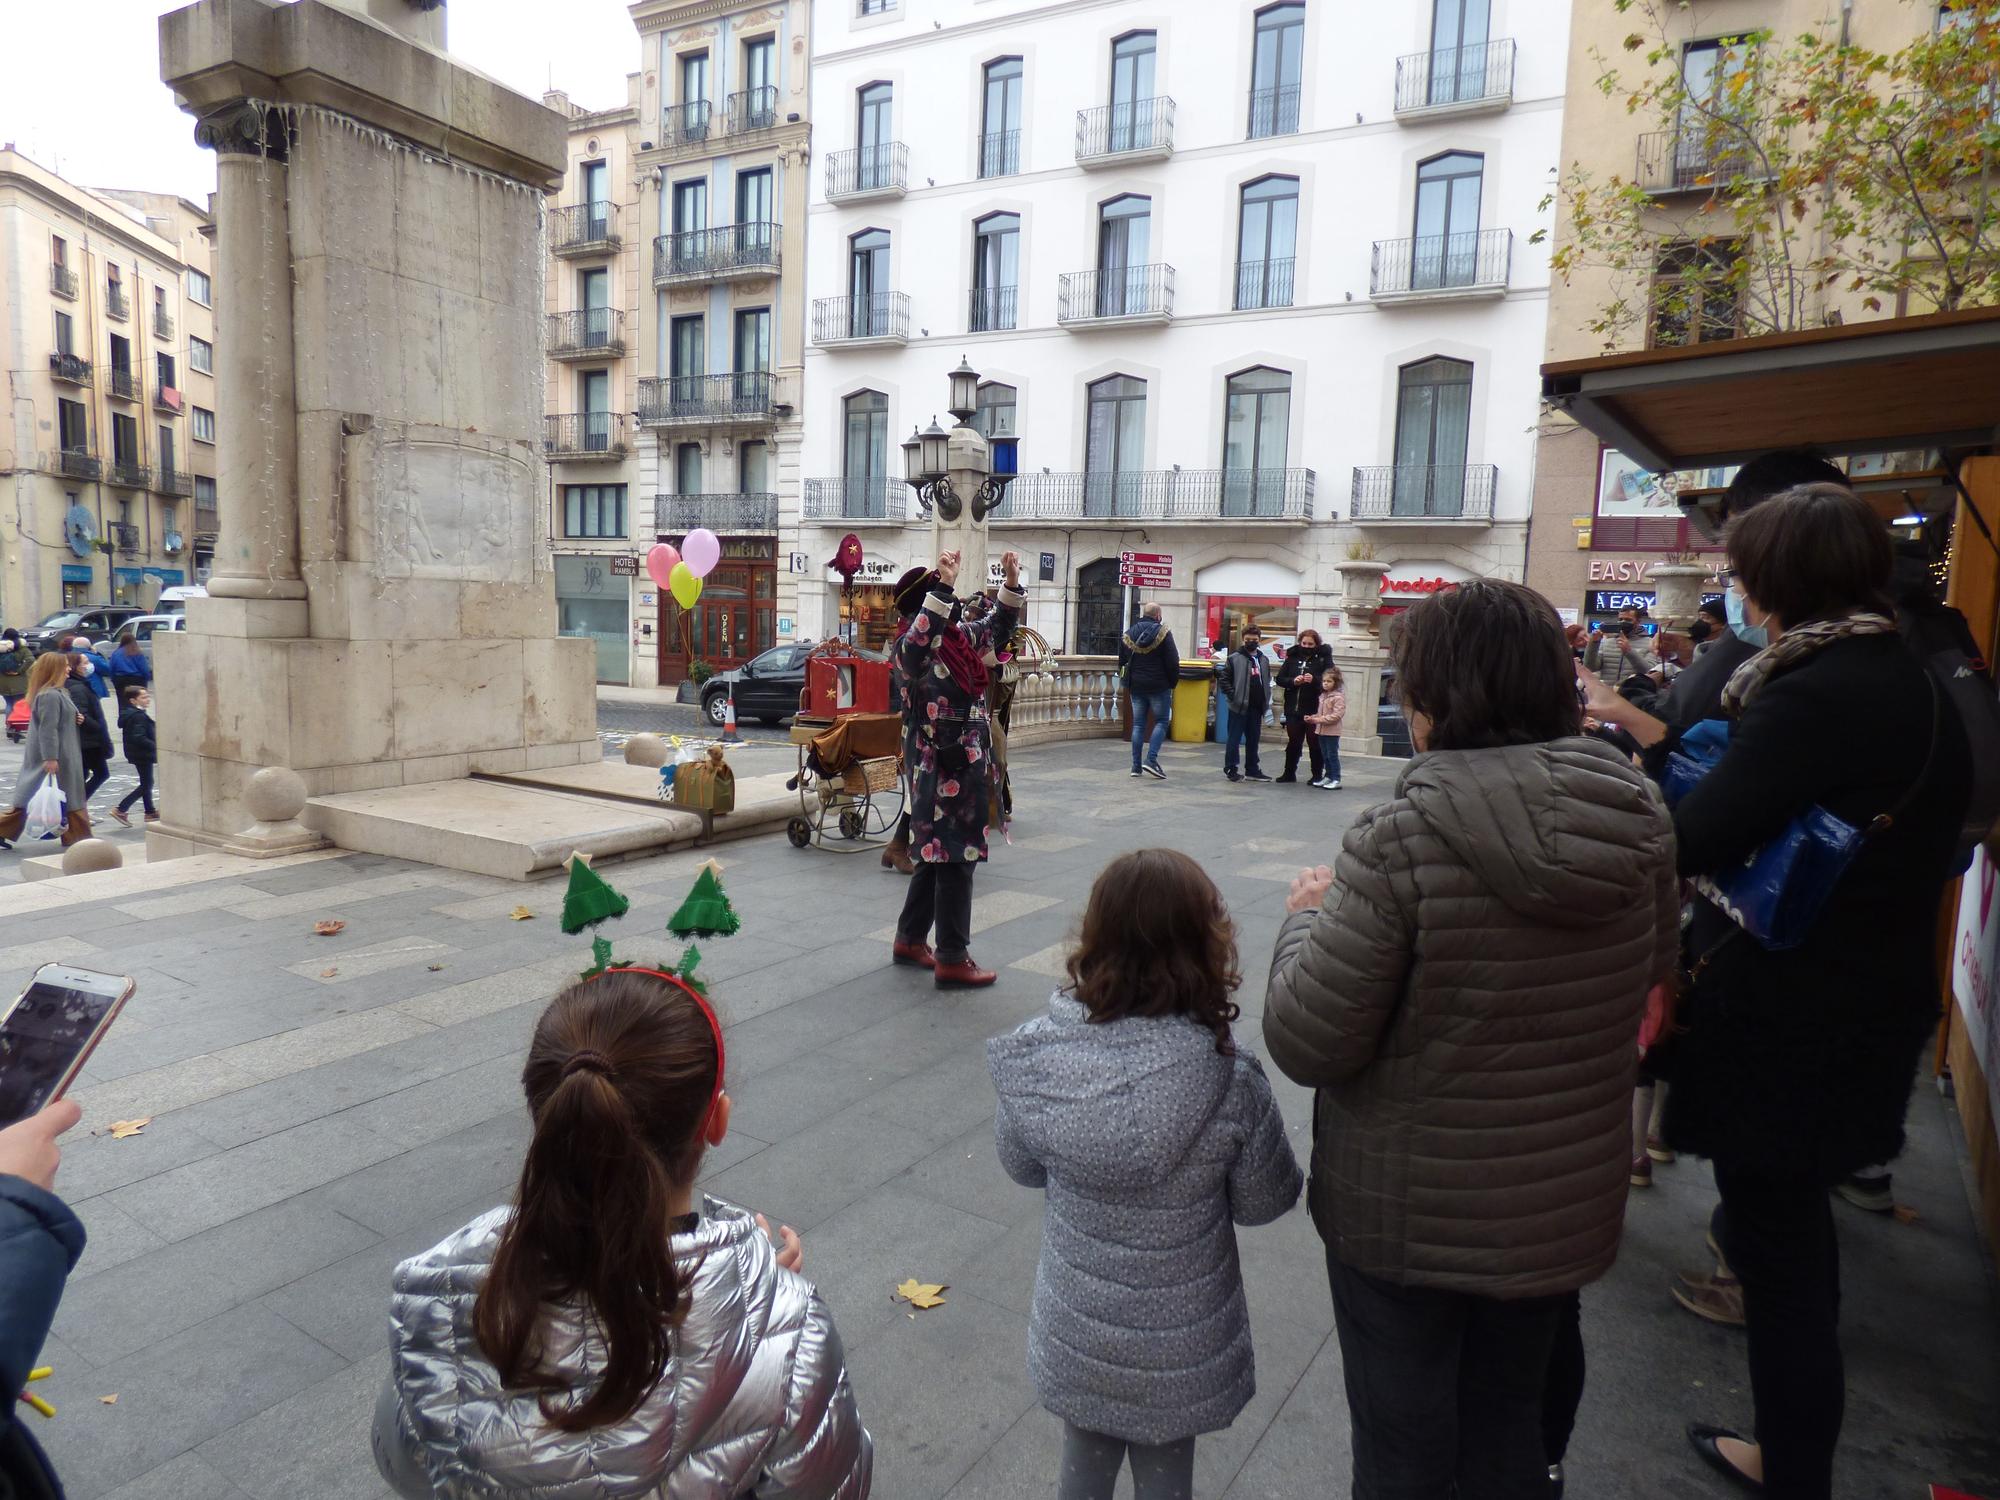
701	551
660	564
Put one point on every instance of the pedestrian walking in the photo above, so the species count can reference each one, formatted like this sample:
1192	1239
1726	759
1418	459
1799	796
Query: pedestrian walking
127	666
1246	685
1299	679
97	676
1464	990
1153	1135
1150	663
946	661
614	1332
1325	722
41	1241
142	749
51	749
93	730
15	660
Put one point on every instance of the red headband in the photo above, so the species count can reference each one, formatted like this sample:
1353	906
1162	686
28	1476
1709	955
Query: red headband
707	1011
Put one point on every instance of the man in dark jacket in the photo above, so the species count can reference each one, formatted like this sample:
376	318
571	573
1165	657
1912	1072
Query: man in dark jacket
40	1243
1246	683
1150	664
127	666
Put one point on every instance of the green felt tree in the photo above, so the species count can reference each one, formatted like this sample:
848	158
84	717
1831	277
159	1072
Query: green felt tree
589	899
706	912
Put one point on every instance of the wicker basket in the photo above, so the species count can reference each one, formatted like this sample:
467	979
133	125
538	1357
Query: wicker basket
866	776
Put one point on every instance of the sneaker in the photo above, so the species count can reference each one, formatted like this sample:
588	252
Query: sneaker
1642	1171
1714	1297
1333	785
1872	1191
1232	775
1255	776
1659	1150
1135	773
1152	769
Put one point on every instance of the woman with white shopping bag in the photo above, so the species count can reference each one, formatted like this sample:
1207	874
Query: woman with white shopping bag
51	753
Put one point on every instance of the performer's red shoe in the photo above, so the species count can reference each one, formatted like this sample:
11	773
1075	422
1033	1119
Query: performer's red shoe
916	955
963	976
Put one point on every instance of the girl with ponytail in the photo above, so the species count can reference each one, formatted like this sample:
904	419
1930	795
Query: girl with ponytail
612	1334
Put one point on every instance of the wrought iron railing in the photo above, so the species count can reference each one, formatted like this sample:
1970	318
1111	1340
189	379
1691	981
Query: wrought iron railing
78	463
583	227
1000	153
1441	263
584	434
1274	111
169	398
1118	129
1264	283
1455	75
696	399
860	497
1162	495
117	305
62	281
1114	293
992	308
163	323
884	315
1701	156
173	482
124	536
71	369
128	475
124	384
586	331
752	109
745	512
686	124
868	169
1424	492
692	254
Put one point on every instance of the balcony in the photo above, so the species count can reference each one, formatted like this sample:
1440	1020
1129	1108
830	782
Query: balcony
1699	158
62	281
1455	80
1264	283
585	436
163	323
78	463
865	172
1138	130
128	475
117	306
1000	153
1424	494
752	110
124	537
583	229
1190	495
679	514
1274	112
1441	267
174	482
70	369
862	322
123	385
991	309
588	333
725	253
1116	298
689	124
169	398
742	400
862	498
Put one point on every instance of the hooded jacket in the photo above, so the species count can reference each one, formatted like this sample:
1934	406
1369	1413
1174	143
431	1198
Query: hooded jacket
1467	1004
1151	660
755	1398
1151	1145
40	1244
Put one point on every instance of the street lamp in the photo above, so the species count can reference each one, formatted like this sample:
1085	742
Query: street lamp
945	468
964	392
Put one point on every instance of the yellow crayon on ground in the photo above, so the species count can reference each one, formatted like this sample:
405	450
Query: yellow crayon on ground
41	1372
39	1404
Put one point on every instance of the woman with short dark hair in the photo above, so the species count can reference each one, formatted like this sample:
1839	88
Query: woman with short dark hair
1464	991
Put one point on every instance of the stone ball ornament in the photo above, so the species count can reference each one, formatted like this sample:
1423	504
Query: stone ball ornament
275	794
87	856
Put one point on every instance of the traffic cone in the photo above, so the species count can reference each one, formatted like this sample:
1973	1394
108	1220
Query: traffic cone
729	734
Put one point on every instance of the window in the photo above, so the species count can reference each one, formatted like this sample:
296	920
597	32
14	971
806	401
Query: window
594	510
1124	241
594	181
1433	422
874	139
593	390
198	288
690	208
65	334
760	69
996	271
121	355
687	355
59	252
165	435
124	440
593	289
72	429
1267	242
694	78
994	414
204	425
201	356
687	469
868	284
753	468
753	340
877	7
166	370
114	290
204	492
1132	94
1445	249
1114	446
1254	440
1697	297
754	218
1458	50
865	456
1277	68
1000	126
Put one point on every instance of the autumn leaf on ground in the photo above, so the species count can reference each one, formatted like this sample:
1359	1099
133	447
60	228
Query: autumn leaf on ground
921	1294
110	1400
1906	1214
328	973
435	968
331	927
120	1129
521	914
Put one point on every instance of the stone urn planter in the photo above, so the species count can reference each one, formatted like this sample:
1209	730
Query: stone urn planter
1677	589
1361	583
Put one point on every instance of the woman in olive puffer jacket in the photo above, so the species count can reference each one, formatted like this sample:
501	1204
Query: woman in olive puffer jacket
1464	992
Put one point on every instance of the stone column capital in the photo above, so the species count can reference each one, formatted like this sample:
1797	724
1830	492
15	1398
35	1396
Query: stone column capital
244	127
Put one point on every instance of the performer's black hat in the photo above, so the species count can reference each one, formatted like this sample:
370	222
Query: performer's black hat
911	589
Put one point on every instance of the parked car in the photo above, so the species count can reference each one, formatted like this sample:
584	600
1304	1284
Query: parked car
99	622
767	686
145	627
174	600
1389	721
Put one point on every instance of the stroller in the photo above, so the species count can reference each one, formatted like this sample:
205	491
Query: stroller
17	720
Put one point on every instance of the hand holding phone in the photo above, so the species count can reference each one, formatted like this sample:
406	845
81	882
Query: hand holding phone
50	1031
28	1150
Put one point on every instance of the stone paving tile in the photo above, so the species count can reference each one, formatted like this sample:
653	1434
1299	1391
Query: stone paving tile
439	1107
303	1448
187	1477
327	1041
822	1172
111	1237
95	1164
990	908
392	1192
355	963
213	897
464	1001
51	950
1051	962
860	1255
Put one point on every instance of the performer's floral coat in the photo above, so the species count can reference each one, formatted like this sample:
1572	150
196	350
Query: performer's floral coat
950	779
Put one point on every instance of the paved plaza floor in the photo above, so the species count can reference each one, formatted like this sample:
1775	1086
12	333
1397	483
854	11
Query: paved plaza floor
323	1107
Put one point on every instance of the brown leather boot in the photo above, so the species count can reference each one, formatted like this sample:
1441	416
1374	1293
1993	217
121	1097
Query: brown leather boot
897	857
964	975
914	955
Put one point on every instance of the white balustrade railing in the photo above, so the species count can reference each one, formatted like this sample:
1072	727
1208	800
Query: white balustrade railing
1067	698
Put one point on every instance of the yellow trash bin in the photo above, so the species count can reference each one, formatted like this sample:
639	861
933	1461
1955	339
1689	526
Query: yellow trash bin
1190	721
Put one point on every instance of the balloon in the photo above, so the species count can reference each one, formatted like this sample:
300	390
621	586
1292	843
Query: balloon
660	563
701	551
686	587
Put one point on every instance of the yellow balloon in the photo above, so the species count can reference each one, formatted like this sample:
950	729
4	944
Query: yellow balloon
686	587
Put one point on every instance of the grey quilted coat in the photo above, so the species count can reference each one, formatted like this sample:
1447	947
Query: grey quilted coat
756	1400
1467	1004
1151	1145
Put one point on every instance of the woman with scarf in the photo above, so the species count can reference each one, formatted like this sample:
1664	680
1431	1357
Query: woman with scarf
945	662
1795	1066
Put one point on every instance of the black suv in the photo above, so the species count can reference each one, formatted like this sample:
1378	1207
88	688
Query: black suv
767	686
100	622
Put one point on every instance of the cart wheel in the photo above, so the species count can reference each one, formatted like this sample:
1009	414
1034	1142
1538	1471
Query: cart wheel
800	832
851	824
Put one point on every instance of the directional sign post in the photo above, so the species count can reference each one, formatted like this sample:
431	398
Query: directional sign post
1145	570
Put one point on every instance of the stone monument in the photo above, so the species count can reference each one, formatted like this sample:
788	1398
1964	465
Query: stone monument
382	608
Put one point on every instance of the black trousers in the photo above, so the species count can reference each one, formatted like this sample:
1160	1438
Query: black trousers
1562	1391
144	770
1444	1389
96	771
1778	1236
1299	735
940	895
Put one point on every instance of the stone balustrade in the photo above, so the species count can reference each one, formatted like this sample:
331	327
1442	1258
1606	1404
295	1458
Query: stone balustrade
1068	698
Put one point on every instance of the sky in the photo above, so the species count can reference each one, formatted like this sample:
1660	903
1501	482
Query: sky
80	88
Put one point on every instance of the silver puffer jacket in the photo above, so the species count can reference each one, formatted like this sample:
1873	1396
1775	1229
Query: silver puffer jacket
755	1401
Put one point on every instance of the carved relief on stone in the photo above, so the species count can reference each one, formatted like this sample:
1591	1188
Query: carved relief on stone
450	505
692	34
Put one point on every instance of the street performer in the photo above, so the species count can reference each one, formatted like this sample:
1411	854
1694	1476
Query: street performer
909	595
947	662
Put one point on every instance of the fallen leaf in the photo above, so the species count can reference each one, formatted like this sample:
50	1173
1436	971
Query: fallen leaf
435	968
110	1400
328	973
1906	1214
921	1294
331	927
120	1129
521	914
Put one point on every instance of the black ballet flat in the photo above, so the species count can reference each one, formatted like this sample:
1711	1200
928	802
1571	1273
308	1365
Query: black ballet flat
1704	1439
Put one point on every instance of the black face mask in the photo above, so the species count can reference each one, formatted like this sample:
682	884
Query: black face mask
1700	631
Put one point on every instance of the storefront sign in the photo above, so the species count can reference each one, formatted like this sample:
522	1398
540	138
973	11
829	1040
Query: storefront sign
1418	585
784	624
1635	569
76	573
875	570
169	577
740	548
1610	601
1048	568
1975	965
796	563
1625	489
625	567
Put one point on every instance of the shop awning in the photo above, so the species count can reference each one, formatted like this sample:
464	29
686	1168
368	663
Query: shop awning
1924	382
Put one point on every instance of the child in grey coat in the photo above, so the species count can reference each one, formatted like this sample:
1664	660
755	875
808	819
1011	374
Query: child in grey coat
1153	1135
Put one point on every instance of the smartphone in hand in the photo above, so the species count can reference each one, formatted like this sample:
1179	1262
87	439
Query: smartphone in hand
50	1030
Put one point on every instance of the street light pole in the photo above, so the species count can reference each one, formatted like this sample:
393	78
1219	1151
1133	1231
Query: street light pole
960	477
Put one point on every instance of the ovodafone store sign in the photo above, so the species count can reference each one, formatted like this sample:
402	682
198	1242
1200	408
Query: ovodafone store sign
1411	580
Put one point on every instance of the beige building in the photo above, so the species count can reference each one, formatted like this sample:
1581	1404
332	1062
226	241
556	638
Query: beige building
108	457
1598	522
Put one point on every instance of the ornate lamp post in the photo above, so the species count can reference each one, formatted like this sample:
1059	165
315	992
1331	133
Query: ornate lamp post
960	477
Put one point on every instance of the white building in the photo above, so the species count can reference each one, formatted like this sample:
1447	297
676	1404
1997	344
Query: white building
1252	284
